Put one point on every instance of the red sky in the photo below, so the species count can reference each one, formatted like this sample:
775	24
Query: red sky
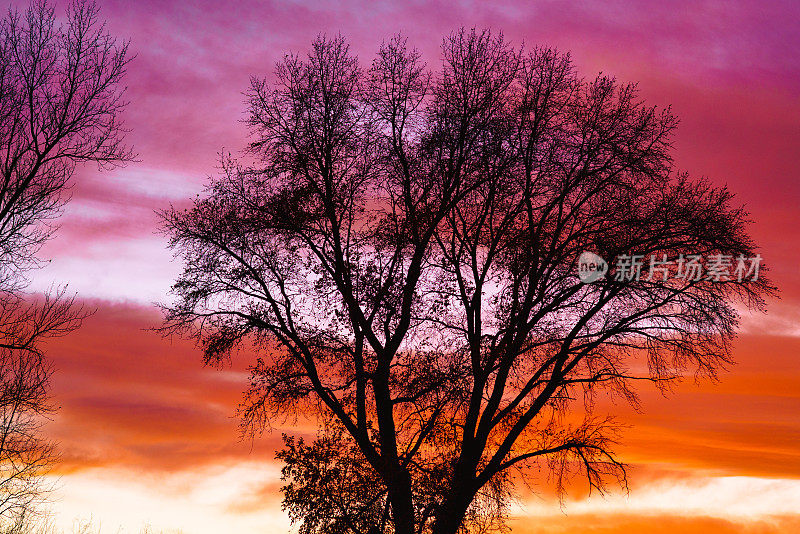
149	435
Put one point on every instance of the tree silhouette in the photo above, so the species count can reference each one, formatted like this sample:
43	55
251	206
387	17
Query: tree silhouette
400	257
60	98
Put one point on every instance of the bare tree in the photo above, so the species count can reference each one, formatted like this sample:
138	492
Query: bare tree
401	257
60	100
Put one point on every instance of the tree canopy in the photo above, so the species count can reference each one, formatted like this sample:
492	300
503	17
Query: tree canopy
397	251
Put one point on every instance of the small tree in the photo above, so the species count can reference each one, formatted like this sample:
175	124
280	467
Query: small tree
60	100
401	257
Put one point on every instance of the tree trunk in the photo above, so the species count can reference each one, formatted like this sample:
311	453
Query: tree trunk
451	515
402	506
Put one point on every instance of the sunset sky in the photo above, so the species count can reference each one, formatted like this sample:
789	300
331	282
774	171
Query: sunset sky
149	436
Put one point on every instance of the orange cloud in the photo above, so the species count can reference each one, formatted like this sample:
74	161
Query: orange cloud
130	397
651	524
134	399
